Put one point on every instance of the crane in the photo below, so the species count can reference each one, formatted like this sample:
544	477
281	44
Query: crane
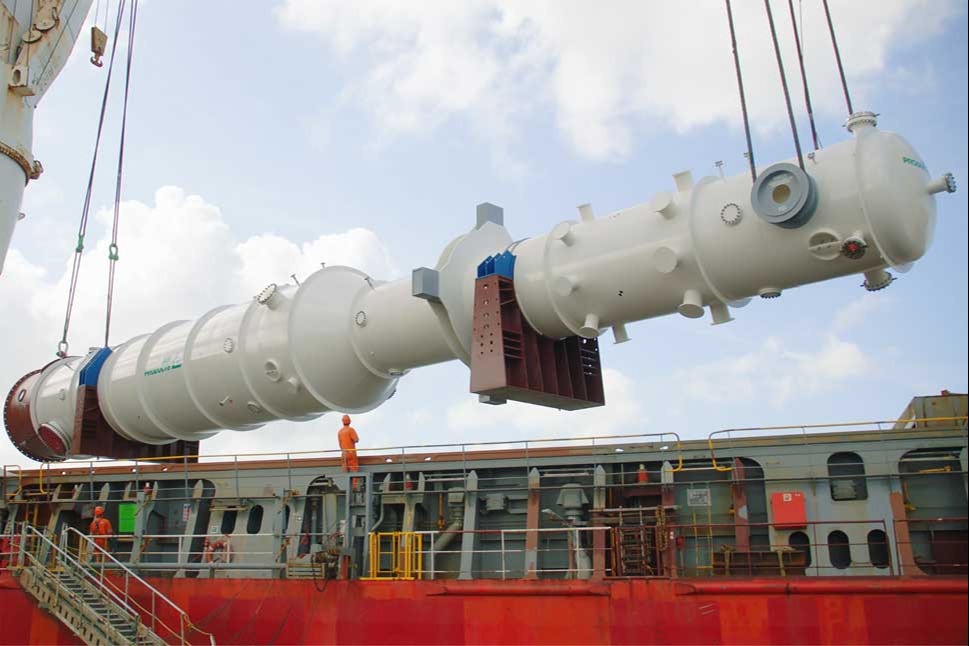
36	39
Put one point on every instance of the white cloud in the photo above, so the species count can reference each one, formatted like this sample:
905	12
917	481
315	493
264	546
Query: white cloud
858	311
270	255
622	414
773	374
178	260
602	71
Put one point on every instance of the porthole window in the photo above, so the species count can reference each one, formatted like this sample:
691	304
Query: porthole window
801	542
846	475
254	522
229	521
839	549
878	548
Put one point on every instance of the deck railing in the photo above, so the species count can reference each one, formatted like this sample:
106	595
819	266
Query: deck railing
130	588
726	436
701	549
666	446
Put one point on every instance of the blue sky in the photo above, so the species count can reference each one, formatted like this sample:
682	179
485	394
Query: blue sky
295	132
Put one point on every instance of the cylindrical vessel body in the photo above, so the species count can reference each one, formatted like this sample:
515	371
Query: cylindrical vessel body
394	332
238	367
647	260
340	340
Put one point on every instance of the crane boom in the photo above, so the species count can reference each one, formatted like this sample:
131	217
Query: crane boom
36	38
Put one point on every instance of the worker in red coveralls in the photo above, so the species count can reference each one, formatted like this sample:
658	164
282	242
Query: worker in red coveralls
101	529
348	446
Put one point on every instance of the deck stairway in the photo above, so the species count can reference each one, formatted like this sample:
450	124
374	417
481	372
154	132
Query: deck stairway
91	593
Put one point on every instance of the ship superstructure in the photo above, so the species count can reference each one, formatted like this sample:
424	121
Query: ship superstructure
876	506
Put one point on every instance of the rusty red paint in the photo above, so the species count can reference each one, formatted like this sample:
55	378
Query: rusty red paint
92	435
17	420
823	610
511	360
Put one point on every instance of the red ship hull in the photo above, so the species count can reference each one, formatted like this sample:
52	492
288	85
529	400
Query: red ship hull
644	611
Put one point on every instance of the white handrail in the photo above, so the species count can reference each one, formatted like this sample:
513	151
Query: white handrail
129	573
452	449
63	554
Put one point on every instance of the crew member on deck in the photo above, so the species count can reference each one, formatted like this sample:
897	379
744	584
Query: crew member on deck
101	528
348	446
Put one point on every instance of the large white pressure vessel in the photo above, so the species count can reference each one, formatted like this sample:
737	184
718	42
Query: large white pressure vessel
705	245
341	340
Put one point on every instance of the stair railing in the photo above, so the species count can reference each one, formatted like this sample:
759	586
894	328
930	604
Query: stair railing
130	582
47	550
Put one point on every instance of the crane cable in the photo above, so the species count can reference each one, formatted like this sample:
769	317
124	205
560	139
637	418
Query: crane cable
113	247
787	93
804	83
743	99
62	346
837	56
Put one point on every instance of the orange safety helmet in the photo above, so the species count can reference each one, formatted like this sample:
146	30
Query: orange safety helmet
346	420
99	511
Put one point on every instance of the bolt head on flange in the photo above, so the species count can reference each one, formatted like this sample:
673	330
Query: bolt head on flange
854	248
45	444
267	293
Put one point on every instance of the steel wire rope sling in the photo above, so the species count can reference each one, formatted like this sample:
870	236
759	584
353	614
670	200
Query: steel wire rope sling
107	11
740	87
787	93
62	346
780	66
837	57
113	247
798	39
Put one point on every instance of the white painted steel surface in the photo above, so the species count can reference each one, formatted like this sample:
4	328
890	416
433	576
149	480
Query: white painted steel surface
55	398
27	72
341	340
705	245
12	180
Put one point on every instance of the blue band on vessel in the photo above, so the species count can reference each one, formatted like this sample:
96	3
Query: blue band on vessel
92	370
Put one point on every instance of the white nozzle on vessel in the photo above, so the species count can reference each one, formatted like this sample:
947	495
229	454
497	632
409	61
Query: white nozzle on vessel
692	305
340	341
720	313
944	184
619	334
590	327
877	279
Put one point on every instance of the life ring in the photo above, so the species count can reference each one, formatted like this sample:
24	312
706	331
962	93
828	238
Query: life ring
217	551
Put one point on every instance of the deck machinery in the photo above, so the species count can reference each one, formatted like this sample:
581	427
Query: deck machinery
864	520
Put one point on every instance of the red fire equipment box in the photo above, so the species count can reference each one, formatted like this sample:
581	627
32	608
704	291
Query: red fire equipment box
788	510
